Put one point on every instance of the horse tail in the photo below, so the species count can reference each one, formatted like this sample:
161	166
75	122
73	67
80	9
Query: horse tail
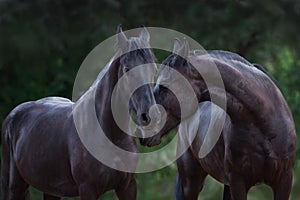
6	156
179	193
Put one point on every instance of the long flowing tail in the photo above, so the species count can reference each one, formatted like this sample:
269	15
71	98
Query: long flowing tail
179	193
6	156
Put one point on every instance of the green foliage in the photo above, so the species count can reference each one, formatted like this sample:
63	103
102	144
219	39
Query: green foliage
42	44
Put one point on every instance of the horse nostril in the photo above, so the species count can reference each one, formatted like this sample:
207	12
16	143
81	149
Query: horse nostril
145	119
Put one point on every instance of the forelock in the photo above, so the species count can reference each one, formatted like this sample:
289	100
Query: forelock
137	43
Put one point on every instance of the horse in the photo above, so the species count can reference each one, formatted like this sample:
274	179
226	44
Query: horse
41	146
206	116
258	141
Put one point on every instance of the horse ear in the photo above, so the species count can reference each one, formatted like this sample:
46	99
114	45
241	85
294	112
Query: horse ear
144	35
187	47
176	46
121	38
184	50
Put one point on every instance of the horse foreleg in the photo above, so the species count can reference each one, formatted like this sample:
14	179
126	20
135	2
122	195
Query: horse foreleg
282	188
87	193
50	197
238	188
191	177
128	193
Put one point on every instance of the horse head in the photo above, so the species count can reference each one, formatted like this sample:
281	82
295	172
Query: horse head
168	78
137	68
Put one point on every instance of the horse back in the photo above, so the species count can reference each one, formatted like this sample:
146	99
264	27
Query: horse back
41	118
274	119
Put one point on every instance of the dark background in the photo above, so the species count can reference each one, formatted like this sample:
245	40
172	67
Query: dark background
43	43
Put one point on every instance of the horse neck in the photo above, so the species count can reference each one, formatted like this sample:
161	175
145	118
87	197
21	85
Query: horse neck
103	101
97	101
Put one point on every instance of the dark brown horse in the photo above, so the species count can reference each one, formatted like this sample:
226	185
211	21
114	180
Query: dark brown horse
41	146
257	143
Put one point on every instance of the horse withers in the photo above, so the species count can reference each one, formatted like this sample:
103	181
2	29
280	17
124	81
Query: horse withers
258	145
41	146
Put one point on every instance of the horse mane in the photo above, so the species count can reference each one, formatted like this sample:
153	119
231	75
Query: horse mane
136	47
136	43
261	68
139	48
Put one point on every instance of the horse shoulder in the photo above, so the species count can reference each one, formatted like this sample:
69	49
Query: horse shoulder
208	145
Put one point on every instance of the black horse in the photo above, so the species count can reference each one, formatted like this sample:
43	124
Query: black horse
41	146
257	143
